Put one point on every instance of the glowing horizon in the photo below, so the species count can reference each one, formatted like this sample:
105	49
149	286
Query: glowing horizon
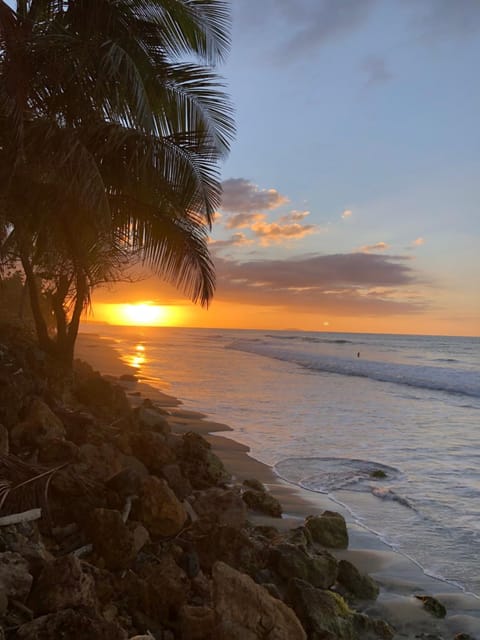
137	314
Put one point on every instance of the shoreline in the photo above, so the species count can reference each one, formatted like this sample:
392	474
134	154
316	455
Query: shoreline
399	577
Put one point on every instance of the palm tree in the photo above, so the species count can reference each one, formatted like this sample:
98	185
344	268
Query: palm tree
109	145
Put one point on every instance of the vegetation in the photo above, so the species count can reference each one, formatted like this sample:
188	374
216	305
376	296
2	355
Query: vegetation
112	124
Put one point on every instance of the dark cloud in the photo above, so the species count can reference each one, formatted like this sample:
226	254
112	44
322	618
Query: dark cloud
242	196
444	18
345	284
376	71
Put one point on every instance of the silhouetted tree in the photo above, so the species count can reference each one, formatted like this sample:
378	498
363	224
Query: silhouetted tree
109	145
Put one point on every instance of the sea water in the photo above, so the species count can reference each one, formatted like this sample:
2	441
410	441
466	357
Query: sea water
388	426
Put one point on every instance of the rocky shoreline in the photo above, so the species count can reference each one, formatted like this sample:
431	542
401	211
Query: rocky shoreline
118	522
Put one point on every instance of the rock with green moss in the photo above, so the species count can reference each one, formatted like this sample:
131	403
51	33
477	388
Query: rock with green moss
433	606
263	502
361	586
328	529
378	473
323	614
290	561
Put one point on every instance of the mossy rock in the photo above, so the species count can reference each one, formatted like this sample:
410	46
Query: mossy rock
378	473
433	606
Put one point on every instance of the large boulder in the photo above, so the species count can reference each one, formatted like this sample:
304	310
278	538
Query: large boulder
328	529
220	507
114	541
40	426
106	399
15	577
63	585
361	586
152	419
324	614
151	449
263	502
246	611
158	508
202	467
231	545
197	622
74	625
291	561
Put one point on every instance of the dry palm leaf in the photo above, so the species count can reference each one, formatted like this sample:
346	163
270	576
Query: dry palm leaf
24	486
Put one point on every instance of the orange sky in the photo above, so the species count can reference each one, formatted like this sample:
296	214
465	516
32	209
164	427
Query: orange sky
115	307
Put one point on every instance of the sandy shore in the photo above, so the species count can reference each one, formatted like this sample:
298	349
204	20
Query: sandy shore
399	577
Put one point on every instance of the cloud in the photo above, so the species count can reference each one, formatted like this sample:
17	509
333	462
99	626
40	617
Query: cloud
315	22
446	18
294	216
242	196
338	283
376	71
347	213
289	226
273	232
378	246
418	242
236	240
244	220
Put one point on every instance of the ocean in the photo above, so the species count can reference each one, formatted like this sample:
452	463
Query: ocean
387	426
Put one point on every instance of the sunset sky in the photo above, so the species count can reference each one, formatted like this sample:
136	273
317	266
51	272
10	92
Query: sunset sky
351	195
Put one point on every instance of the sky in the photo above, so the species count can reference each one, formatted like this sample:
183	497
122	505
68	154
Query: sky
351	194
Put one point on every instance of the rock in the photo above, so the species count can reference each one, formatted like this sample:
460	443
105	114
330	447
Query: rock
40	426
202	467
4	441
126	482
246	611
57	451
367	627
179	484
433	606
152	420
290	561
463	636
359	585
323	613
3	602
104	398
220	507
63	585
113	540
263	502
197	623
15	577
158	508
151	449
231	545
128	377
329	529
70	624
253	483
99	462
166	588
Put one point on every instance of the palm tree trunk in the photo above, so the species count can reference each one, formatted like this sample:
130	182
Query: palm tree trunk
34	295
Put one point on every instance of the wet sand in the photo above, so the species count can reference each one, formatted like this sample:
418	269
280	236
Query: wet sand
398	576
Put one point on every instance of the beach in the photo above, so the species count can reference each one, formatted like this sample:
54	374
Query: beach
399	577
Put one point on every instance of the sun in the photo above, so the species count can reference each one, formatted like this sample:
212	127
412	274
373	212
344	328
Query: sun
145	314
139	314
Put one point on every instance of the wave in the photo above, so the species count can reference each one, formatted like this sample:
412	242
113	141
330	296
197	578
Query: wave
435	378
326	474
312	339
